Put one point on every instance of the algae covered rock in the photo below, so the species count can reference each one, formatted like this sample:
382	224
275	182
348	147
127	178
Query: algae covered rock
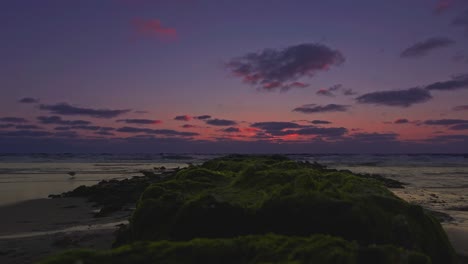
248	249
245	195
270	209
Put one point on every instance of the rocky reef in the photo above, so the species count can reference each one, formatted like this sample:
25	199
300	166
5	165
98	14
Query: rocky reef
112	195
247	249
270	209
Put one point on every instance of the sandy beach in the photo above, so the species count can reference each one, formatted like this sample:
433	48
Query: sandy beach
34	229
444	201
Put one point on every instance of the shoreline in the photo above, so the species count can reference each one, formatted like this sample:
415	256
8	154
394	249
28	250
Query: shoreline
34	229
445	203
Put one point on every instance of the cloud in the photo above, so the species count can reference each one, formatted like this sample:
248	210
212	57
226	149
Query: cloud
445	122
349	92
329	91
63	128
461	108
313	108
297	85
284	87
321	131
13	120
57	120
325	92
84	127
91	128
188	126
320	122
140	121
399	98
461	21
460	127
183	118
422	48
144	143
66	134
104	133
443	5
28	100
203	117
457	83
220	122
231	130
275	126
271	69
401	121
375	137
291	128
66	109
165	132
153	28
449	138
27	127
25	133
6	125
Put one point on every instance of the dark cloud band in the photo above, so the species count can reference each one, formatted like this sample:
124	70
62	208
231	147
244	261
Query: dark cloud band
399	98
220	122
424	47
66	109
313	108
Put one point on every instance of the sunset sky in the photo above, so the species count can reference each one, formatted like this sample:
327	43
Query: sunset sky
234	76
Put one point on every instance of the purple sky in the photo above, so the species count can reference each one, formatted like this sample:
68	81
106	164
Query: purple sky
234	76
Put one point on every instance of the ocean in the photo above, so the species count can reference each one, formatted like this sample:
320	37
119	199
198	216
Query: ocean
438	182
31	176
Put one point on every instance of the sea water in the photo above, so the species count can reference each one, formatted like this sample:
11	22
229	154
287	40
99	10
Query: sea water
32	176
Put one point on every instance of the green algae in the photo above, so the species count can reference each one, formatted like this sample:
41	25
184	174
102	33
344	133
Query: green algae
239	196
247	249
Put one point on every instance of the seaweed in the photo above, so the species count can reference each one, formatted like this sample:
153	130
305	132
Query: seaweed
267	248
240	197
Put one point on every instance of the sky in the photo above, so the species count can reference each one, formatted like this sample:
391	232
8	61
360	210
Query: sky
246	76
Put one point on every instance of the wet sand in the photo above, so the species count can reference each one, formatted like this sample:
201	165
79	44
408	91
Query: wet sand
448	201
32	230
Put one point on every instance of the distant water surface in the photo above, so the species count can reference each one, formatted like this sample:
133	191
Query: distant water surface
31	176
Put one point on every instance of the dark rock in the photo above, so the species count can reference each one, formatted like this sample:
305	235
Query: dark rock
243	195
268	248
442	217
458	208
227	208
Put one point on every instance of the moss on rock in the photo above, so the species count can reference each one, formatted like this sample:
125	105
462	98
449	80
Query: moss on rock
248	249
244	195
227	200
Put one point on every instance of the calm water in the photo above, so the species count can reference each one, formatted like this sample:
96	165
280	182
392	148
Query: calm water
31	176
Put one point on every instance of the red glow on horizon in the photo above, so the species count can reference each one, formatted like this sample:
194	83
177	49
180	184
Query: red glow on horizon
290	137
